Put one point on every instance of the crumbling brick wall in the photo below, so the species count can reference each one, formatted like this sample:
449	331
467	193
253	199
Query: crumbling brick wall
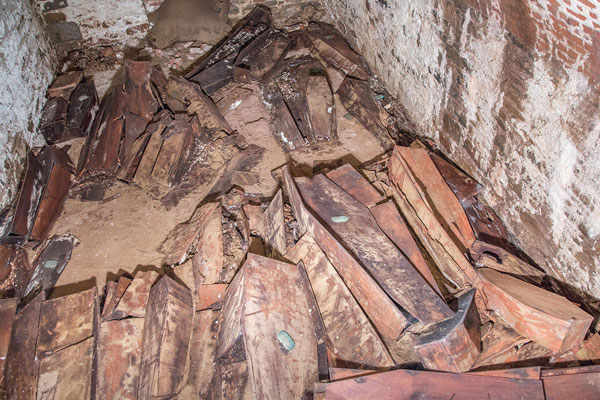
27	64
509	90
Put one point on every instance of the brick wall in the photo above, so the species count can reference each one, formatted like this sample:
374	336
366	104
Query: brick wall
509	89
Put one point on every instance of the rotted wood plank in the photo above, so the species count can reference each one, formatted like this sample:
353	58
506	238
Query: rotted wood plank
545	317
447	256
67	374
119	353
499	345
581	383
338	374
209	260
22	365
133	302
464	187
165	347
267	324
496	258
391	223
263	53
517	373
8	308
358	231
321	107
64	84
355	185
274	226
282	122
453	345
353	338
65	321
385	315
113	298
437	194
409	384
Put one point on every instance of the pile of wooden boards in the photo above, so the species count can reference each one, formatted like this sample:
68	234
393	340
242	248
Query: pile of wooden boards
332	289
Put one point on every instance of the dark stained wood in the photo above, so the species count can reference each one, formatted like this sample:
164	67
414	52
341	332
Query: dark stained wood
151	151
64	84
357	98
391	223
321	107
282	122
264	307
464	187
385	315
167	332
65	321
372	248
53	122
408	385
488	226
263	53
208	260
28	199
22	366
216	76
453	345
274	226
517	373
496	258
67	374
82	109
119	353
133	302
499	345
350	332
547	318
8	308
355	184
338	374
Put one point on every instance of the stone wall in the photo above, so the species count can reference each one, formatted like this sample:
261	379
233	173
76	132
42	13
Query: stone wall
27	63
509	90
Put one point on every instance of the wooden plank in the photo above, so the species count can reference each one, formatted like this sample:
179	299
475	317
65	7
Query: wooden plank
487	225
65	321
386	317
209	260
207	295
588	369
255	216
360	233
67	374
321	107
584	386
167	332
353	338
146	164
8	308
263	53
463	186
337	60
452	345
355	185
517	373
499	345
448	257
498	259
391	223
339	374
409	384
64	84
283	124
22	366
275	226
545	317
113	298
590	350
119	353
440	198
82	109
267	323
133	302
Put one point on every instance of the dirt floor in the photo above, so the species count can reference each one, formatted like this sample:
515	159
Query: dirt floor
123	233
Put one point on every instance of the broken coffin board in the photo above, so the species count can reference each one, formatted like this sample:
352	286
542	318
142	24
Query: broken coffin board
454	344
582	383
358	231
274	226
267	336
133	302
8	308
545	317
355	185
409	384
165	347
381	310
354	340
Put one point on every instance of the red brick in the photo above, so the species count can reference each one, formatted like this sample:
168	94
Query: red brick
587	3
577	15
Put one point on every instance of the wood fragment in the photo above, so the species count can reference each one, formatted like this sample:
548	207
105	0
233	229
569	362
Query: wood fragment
583	385
8	308
274	227
496	258
134	300
352	182
533	373
113	299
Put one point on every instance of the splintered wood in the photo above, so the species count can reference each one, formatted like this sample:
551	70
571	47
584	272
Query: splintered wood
387	280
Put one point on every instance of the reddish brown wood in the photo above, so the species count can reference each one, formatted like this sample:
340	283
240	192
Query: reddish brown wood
64	84
464	187
208	295
545	317
391	223
408	385
517	373
499	345
133	301
275	227
8	307
167	332
355	185
497	258
113	298
582	385
254	214
339	374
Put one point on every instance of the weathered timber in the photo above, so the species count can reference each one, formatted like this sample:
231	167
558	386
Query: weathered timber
67	374
391	223
119	353
355	185
499	345
209	260
82	109
339	374
267	326
447	256
354	340
53	122
545	317
64	84
580	383
464	187
21	373
409	384
360	233
8	308
321	106
213	78
496	258
274	226
282	122
453	345
165	347
487	225
533	373
113	298
254	214
385	315
263	53
133	302
65	321
207	295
